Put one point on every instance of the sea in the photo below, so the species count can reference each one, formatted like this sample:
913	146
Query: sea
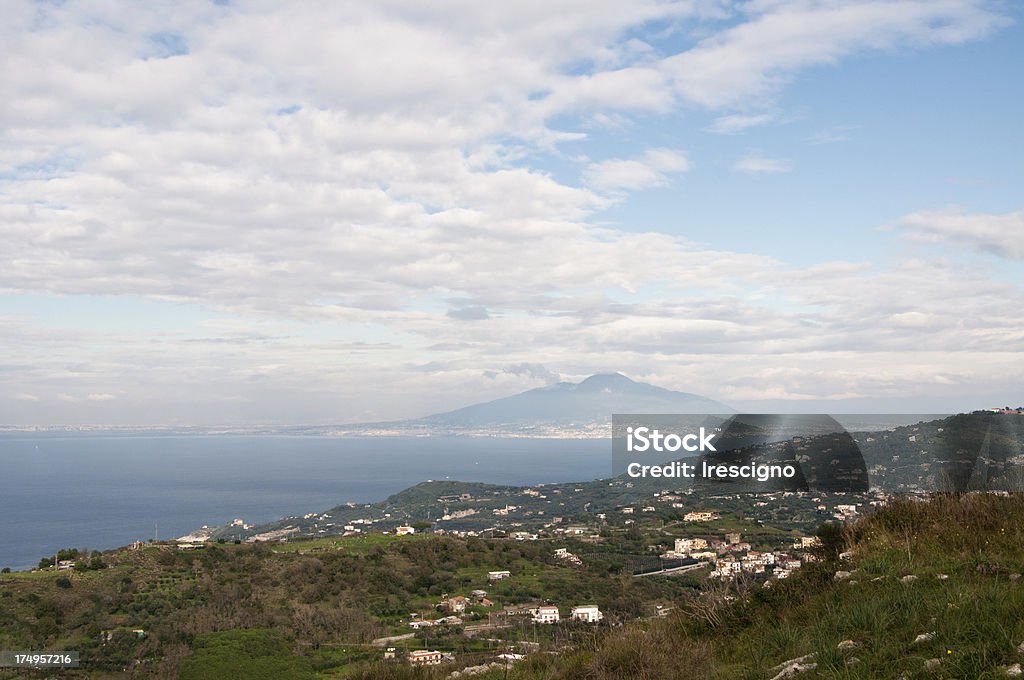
100	492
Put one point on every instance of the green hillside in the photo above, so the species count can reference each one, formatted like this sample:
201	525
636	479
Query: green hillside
933	590
919	589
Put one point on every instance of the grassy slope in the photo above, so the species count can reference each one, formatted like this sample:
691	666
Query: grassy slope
976	614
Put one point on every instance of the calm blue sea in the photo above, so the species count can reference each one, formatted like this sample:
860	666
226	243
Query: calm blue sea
106	491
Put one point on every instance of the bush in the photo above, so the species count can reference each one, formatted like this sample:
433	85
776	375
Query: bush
252	654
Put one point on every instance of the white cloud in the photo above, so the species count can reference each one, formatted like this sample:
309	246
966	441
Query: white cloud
330	180
1001	235
756	163
738	123
25	396
777	39
650	170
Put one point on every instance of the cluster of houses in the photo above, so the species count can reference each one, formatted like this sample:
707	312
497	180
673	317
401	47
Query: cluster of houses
587	613
694	516
419	624
454	605
544	614
549	613
732	556
459	603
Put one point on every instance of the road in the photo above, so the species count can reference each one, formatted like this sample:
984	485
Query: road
673	570
380	642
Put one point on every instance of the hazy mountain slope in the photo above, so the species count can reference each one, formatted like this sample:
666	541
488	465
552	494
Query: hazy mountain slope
592	400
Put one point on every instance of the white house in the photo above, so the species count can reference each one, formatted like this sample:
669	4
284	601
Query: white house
424	657
588	613
405	531
546	614
498	575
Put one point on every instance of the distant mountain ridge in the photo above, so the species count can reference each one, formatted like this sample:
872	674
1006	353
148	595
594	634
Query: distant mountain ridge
592	400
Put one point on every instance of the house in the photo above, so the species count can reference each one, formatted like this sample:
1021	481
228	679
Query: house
546	614
704	555
698	516
727	568
498	575
846	510
456	604
479	594
424	657
588	613
687	545
564	554
404	531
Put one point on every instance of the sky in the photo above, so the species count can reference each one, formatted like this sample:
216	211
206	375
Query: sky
265	212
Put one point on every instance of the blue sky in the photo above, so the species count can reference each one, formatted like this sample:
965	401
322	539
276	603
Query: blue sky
245	212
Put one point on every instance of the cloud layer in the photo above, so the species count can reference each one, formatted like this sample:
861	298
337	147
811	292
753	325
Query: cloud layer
353	191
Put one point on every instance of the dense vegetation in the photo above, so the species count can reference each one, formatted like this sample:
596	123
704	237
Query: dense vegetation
159	611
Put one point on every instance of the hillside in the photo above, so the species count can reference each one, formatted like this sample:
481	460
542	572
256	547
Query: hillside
920	589
981	451
927	589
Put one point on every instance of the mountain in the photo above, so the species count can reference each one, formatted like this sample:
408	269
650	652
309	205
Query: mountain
591	401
